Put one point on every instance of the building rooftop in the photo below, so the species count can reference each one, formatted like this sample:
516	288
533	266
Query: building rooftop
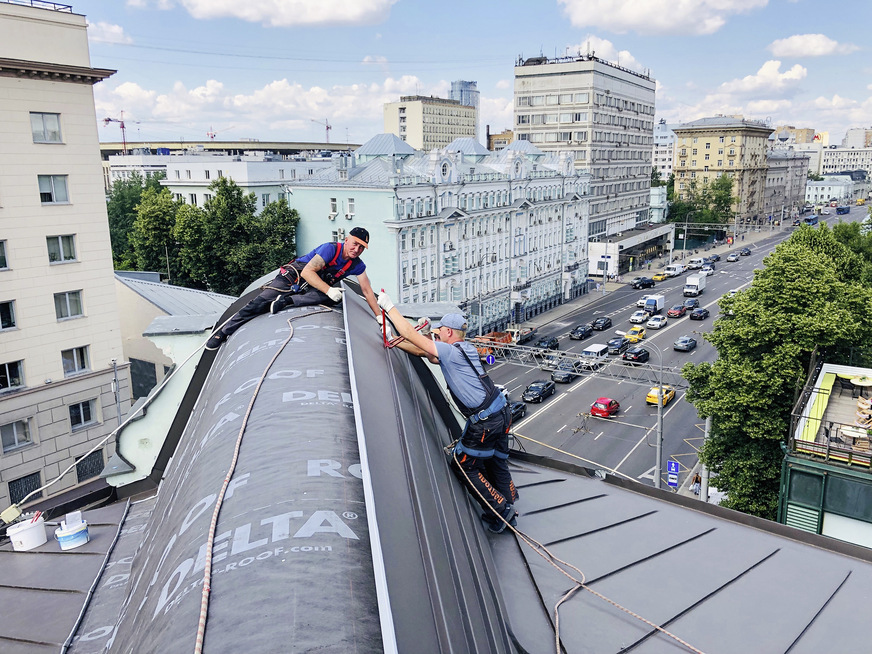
177	300
723	122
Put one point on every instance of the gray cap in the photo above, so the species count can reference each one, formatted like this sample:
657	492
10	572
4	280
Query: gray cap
452	321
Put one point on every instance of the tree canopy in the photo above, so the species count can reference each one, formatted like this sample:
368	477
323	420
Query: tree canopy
221	247
703	203
807	301
124	195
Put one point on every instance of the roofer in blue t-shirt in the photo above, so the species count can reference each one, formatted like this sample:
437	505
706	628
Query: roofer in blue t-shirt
307	280
483	448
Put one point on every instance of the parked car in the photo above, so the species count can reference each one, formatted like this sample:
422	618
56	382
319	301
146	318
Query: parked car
548	343
581	331
637	354
745	252
733	257
636	334
565	372
691	303
653	396
519	410
642	282
639	317
660	277
602	323
684	344
677	311
538	391
618	345
700	313
656	322
708	270
605	407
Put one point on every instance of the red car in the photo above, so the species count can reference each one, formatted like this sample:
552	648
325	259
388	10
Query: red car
604	407
677	311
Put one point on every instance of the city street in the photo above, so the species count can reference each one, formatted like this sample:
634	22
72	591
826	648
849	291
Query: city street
625	444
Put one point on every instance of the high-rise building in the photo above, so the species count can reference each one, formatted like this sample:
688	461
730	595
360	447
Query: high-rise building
603	114
707	148
664	149
63	381
467	94
427	123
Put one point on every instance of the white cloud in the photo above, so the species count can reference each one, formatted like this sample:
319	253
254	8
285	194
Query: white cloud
504	84
374	59
107	33
810	45
769	80
496	112
605	49
657	16
283	13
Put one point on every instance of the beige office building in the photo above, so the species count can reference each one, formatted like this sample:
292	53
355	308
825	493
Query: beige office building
707	148
62	374
428	123
603	114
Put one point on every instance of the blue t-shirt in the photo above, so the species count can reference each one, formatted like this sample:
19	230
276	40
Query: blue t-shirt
463	381
327	252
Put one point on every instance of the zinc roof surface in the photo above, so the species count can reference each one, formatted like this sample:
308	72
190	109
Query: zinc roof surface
176	300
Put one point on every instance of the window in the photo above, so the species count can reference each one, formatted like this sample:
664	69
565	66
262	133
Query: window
7	315
89	466
11	375
23	486
46	128
178	174
75	360
15	434
220	173
207	174
334	207
4	264
264	198
82	414
350	213
192	197
61	248
53	189
68	305
188	174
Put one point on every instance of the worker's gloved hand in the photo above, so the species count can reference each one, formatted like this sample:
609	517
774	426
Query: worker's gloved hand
380	319
424	324
334	294
384	301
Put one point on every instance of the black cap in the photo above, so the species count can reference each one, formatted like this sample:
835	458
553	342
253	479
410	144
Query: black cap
361	235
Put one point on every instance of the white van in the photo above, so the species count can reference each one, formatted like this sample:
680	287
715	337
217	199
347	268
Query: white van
593	356
675	269
695	263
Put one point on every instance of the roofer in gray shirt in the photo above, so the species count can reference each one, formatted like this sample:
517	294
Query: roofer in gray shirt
483	448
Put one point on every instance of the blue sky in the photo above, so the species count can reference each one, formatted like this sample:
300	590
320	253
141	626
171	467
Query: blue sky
269	69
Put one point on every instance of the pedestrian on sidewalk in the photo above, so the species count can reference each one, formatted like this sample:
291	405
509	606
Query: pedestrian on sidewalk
696	483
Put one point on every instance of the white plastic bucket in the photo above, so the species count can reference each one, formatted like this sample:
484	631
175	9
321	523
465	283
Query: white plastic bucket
73	537
26	535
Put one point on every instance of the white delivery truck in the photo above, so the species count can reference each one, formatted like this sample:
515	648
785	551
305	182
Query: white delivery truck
675	269
654	304
593	356
694	285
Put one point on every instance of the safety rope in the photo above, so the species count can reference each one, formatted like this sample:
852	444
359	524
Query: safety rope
553	560
207	570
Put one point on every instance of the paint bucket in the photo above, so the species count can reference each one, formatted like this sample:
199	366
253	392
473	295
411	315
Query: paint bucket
73	536
26	535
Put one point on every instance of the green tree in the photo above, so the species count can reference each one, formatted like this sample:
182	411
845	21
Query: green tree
656	178
121	208
670	188
151	238
225	246
814	177
807	300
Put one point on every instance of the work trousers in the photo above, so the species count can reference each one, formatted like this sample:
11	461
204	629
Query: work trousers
261	304
489	476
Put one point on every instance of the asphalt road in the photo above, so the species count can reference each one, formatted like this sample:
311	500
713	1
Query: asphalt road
625	444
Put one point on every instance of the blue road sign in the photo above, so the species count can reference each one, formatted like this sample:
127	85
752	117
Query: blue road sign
672	480
490	359
672	473
672	467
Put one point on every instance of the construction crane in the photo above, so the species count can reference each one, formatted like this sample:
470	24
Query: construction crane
212	134
327	128
120	121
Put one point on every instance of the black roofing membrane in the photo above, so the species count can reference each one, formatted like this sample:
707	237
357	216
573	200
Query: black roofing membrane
292	569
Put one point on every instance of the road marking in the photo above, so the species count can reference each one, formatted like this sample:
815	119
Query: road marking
561	429
645	436
510	381
598	435
541	411
648	475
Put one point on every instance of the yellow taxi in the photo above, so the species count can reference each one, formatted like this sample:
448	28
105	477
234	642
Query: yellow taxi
654	395
660	277
636	334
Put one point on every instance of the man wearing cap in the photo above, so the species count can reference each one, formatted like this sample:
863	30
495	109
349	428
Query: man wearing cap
307	280
483	448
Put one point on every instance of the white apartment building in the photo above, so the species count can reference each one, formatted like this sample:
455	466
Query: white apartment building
832	187
503	235
786	176
664	148
840	160
857	138
427	123
189	176
604	115
63	380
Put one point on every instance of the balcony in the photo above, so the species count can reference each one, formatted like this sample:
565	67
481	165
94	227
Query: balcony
520	286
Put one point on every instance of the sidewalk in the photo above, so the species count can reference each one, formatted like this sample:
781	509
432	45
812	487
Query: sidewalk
750	240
